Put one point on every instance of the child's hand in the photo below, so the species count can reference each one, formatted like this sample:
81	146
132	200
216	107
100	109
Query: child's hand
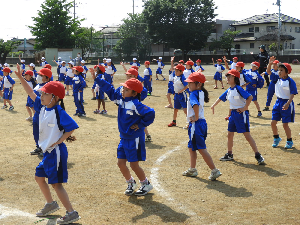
172	58
272	59
285	106
213	109
134	127
254	85
224	58
240	110
121	63
193	119
212	59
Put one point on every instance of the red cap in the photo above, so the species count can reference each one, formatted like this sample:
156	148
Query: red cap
234	72
191	63
132	71
196	77
180	67
45	72
240	64
276	62
78	68
181	61
235	58
54	87
48	66
102	68
135	67
219	60
198	60
133	84
29	72
288	66
6	69
147	62
257	64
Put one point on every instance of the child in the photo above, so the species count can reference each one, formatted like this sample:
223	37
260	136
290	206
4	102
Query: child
148	77
133	117
180	61
218	74
283	109
43	62
171	83
50	68
78	86
69	77
136	68
8	85
198	67
62	71
161	65
189	69
100	71
55	127
110	70
1	83
135	63
29	104
233	63
85	69
32	68
239	100
180	97
94	85
271	88
197	125
22	65
251	88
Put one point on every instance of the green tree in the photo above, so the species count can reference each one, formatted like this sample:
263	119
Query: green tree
54	27
274	48
6	48
180	24
134	36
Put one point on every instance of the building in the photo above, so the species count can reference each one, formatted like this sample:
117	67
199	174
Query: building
27	46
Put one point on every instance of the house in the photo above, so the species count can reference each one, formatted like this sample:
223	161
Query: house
263	30
27	46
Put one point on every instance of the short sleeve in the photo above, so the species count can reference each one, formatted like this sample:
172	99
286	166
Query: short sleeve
242	92
223	97
194	100
293	87
66	121
183	81
37	105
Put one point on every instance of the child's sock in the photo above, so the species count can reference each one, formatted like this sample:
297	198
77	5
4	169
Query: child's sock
276	136
174	121
257	153
290	139
230	152
130	180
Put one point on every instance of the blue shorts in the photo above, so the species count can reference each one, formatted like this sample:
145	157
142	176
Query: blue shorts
180	100
132	149
7	94
158	71
100	94
218	76
287	116
68	80
239	122
61	77
171	88
48	166
253	93
29	102
197	135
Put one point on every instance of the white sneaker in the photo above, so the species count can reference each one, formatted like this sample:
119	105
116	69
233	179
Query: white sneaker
215	173
4	107
11	108
130	188
29	118
191	172
144	189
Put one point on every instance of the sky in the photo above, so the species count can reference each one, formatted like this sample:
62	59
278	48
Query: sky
101	13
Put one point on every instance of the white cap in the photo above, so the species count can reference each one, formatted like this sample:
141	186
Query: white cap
63	61
43	58
82	61
0	65
71	62
59	58
31	64
159	57
108	60
22	60
104	59
134	59
6	65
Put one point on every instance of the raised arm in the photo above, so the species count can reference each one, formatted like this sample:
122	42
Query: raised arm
122	64
226	64
24	83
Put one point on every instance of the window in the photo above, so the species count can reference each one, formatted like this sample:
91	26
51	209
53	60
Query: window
237	46
297	29
270	28
285	45
293	46
256	29
290	29
251	29
251	45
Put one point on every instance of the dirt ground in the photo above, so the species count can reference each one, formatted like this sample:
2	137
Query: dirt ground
246	193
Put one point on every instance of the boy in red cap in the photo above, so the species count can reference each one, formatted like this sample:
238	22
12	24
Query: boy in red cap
284	108
100	71
271	89
171	83
8	85
189	69
148	77
218	74
198	67
160	65
239	100
78	87
198	126
55	126
29	104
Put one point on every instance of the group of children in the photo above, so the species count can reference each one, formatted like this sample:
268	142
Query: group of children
52	125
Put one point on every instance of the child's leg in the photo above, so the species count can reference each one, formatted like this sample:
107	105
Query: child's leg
63	196
94	94
185	111
99	103
9	102
175	114
221	83
29	111
44	188
287	130
138	170
68	87
33	111
230	141
216	83
257	105
207	158
146	131
103	104
156	76
124	169
251	141
169	99
274	127
193	158
162	76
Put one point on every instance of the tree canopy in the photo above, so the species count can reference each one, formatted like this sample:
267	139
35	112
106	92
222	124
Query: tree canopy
53	27
6	47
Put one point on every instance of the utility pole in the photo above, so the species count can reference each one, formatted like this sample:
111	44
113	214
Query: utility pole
74	9
279	26
133	7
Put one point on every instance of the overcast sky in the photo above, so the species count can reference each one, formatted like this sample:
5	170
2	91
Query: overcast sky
102	12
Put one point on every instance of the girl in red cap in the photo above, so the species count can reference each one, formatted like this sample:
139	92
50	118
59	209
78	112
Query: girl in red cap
8	85
218	74
198	67
78	87
29	105
55	126
197	125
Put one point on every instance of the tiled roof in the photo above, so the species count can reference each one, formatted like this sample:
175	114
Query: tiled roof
266	18
273	37
245	37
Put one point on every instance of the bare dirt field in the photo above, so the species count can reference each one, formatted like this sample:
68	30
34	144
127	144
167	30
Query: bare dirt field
246	193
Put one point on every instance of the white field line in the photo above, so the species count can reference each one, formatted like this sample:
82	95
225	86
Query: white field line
154	177
7	212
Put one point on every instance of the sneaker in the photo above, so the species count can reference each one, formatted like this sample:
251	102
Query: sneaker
48	209
144	189
11	108
157	79
93	98
215	87
266	109
36	151
227	117
260	159
76	114
222	87
169	106
130	188
215	173
29	118
148	138
69	218
289	144
259	114
227	157
164	79
103	112
276	142
67	94
81	115
172	124
190	172
41	154
149	94
186	126
4	107
97	111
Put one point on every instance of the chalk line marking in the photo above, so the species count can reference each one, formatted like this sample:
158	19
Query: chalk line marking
7	212
154	177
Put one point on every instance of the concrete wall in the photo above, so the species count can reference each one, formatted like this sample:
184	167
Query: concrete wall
49	55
